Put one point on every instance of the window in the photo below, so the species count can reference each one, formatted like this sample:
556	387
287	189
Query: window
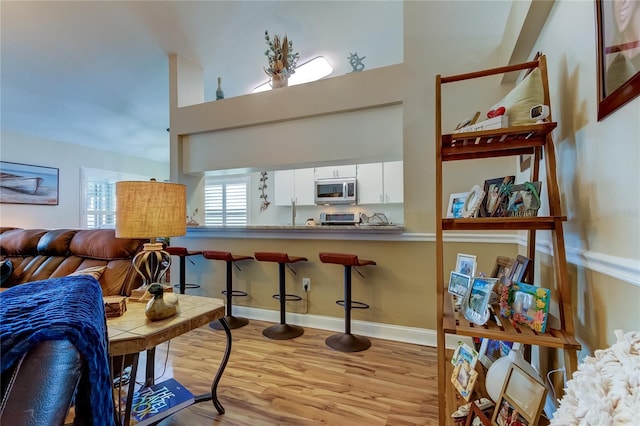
98	197
225	200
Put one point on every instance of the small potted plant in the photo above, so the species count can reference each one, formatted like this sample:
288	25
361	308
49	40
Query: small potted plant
281	58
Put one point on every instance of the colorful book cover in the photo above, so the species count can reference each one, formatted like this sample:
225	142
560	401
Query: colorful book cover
153	403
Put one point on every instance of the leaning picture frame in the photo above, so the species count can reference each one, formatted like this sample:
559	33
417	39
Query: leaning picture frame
28	184
466	264
496	196
618	78
475	304
521	400
459	284
520	268
456	203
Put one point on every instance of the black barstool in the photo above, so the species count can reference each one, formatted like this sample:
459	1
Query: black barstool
231	259
282	331
183	253
347	342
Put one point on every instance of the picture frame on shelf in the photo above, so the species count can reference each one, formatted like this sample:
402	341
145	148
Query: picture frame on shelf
618	78
526	304
520	268
459	284
521	400
464	379
466	264
524	200
497	193
464	352
472	204
456	203
491	350
503	266
475	305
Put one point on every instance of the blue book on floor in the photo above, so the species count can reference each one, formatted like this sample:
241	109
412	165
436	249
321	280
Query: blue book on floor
153	403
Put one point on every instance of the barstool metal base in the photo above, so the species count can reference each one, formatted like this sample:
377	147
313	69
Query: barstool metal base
232	322
344	342
283	331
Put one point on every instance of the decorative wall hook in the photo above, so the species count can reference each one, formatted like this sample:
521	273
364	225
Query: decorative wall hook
263	185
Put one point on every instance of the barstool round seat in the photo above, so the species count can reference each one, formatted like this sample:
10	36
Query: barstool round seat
183	253
347	342
282	331
229	292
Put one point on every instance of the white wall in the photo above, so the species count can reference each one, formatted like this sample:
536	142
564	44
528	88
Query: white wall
599	179
68	158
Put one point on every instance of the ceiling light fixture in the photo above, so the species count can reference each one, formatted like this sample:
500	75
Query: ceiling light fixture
312	70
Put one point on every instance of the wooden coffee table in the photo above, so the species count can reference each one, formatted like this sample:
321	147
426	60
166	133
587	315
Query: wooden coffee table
133	333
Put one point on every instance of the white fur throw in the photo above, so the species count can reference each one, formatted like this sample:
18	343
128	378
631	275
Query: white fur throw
606	388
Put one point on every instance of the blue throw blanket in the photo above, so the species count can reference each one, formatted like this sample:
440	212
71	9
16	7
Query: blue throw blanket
68	308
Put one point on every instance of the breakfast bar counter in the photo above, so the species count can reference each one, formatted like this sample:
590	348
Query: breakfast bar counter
351	232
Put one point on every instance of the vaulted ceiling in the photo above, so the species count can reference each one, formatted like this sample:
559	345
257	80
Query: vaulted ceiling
96	72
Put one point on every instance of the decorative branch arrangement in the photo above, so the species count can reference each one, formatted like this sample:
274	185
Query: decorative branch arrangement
280	55
262	187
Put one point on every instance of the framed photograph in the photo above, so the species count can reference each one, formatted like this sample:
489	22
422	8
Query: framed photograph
502	268
526	304
521	400
491	350
618	50
524	200
459	284
473	202
465	353
26	184
476	305
466	264
456	202
497	193
520	268
464	379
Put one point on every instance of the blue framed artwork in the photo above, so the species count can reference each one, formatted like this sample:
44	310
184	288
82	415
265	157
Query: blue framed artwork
27	184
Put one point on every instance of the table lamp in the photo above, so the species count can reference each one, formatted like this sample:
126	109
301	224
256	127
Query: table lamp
150	209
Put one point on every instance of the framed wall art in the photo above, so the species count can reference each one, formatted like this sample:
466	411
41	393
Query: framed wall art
618	50
27	184
521	400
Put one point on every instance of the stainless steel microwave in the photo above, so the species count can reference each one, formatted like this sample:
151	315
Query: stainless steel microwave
336	191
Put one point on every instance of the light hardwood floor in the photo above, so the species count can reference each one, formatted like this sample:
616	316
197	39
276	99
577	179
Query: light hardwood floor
302	381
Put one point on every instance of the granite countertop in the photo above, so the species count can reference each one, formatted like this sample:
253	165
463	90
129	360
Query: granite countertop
316	228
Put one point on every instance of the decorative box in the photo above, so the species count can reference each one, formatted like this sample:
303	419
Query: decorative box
115	306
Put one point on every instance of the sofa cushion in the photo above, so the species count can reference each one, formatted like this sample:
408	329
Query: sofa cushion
519	101
20	242
93	271
102	244
56	242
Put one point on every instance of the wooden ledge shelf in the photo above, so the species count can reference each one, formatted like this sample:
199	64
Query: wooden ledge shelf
509	141
503	223
454	322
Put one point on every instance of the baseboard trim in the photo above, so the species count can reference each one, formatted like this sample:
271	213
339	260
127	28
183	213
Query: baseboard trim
414	335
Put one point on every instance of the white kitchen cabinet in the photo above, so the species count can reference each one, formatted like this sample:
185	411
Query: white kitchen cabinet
329	172
370	189
294	185
393	181
380	183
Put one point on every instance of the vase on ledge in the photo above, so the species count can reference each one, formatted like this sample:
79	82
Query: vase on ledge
279	80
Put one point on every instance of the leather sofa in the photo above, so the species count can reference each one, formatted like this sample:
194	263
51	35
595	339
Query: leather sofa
40	388
38	254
